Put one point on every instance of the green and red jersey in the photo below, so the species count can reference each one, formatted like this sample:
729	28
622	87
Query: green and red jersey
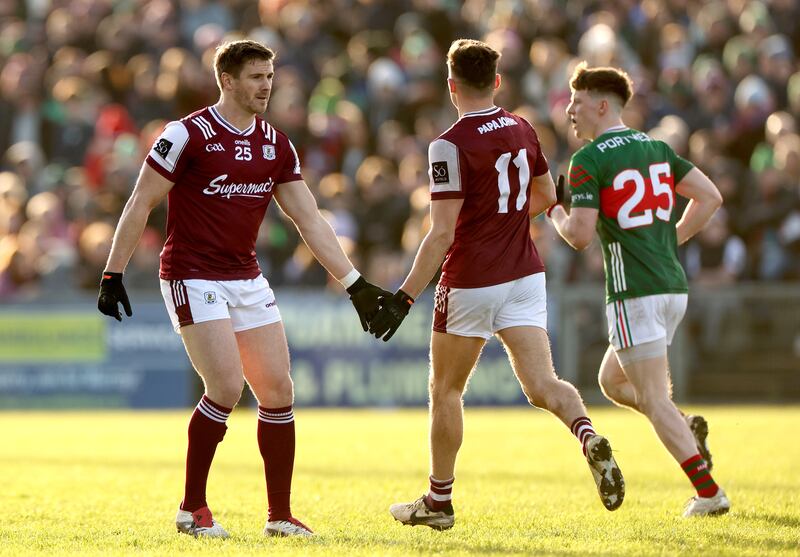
630	178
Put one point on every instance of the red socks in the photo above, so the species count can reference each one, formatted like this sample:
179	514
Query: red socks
206	429
440	495
583	430
697	471
276	443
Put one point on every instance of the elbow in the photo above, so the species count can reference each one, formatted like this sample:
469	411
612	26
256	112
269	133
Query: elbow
582	241
139	204
581	244
716	199
443	238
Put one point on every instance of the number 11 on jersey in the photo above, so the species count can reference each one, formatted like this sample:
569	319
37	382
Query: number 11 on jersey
503	184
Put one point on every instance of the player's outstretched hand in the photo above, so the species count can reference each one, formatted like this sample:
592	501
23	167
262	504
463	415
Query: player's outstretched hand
561	194
364	296
394	309
112	292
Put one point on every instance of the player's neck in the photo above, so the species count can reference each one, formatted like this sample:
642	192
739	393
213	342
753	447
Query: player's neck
466	105
608	124
234	114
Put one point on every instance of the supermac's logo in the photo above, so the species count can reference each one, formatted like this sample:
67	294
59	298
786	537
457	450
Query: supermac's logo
269	152
162	147
440	173
218	186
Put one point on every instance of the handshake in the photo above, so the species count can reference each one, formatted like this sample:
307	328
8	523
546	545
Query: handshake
380	311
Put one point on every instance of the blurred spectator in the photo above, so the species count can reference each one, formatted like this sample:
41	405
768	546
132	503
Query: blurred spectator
85	87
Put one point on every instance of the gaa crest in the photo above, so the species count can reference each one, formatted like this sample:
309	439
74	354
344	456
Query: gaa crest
269	152
210	297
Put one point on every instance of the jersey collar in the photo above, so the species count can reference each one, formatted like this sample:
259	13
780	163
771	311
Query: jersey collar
230	127
614	129
484	112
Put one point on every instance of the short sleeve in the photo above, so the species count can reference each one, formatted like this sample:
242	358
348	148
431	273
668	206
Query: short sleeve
583	182
290	171
540	165
168	155
444	171
680	166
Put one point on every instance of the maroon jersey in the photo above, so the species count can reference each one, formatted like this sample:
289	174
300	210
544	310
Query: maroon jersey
488	158
224	179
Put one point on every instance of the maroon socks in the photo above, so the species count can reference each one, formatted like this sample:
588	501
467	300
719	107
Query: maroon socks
276	443
206	429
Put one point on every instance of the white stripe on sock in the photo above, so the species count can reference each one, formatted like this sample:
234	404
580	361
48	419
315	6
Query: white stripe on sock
438	497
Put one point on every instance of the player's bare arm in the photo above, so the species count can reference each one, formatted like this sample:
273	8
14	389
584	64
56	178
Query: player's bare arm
577	227
543	194
444	215
704	198
431	253
296	200
150	190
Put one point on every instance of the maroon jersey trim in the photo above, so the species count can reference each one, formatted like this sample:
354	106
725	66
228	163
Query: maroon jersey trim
180	299
440	305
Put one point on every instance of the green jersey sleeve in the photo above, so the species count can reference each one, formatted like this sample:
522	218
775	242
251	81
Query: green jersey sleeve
680	166
583	181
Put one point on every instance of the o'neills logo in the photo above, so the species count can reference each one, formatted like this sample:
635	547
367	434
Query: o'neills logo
217	186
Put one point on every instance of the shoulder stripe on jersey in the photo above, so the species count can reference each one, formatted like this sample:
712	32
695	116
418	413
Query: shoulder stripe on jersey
207	124
296	158
205	127
203	130
578	175
577	171
270	133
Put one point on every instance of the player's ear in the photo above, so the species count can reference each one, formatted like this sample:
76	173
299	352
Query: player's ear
497	81
451	85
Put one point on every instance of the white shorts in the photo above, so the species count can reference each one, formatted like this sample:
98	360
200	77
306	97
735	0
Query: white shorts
247	303
481	312
638	320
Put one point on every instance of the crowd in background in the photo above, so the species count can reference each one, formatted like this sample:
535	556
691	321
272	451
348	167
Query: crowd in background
87	85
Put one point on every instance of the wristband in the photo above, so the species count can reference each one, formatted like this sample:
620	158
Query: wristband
350	278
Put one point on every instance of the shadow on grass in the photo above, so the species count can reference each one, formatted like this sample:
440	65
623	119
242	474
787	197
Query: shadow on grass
445	542
771	518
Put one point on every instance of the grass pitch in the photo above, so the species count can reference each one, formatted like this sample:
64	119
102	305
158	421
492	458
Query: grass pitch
108	483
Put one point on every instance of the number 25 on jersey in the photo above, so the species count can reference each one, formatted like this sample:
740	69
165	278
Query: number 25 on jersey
647	200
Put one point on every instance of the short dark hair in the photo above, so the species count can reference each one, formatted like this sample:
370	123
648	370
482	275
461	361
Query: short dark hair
230	57
473	63
602	80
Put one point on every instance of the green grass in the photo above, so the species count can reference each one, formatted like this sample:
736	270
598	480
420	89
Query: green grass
108	483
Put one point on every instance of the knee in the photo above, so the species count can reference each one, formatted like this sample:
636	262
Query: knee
226	392
609	385
546	393
652	403
284	386
442	391
274	390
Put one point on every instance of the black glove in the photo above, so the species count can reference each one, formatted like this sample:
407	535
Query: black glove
365	299
562	194
393	310
113	292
